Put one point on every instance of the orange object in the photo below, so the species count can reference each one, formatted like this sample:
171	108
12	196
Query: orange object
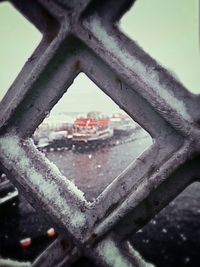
25	242
51	232
84	122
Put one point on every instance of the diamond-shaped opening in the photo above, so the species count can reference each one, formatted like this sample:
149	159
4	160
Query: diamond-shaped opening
89	138
169	32
24	233
8	193
172	238
19	38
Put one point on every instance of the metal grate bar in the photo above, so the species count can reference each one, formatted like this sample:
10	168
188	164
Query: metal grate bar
84	36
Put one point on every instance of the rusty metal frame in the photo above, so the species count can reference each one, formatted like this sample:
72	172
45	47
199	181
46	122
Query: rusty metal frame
83	36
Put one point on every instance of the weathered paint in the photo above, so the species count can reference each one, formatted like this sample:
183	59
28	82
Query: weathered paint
80	37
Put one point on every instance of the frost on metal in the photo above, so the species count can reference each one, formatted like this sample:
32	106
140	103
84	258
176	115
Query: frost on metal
129	61
79	35
12	263
15	155
113	257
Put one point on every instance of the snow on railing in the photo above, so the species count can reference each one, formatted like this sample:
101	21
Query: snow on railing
81	35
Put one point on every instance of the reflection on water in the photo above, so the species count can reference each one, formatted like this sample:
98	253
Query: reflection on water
93	170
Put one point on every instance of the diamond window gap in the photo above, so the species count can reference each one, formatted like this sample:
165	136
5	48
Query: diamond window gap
31	233
19	38
169	33
172	237
89	138
8	192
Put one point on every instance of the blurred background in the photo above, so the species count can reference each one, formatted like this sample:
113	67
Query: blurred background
89	131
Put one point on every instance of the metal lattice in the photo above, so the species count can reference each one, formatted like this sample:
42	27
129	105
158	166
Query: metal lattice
82	36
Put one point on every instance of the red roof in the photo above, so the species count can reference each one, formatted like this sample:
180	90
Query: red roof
91	122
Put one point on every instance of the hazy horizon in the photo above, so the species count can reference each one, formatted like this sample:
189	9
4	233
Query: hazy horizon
83	96
168	33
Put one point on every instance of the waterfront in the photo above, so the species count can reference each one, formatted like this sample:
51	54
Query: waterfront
171	239
92	170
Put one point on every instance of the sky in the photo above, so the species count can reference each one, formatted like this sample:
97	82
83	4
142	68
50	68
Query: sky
167	30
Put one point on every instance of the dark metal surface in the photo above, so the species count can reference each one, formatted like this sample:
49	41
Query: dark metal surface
86	40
